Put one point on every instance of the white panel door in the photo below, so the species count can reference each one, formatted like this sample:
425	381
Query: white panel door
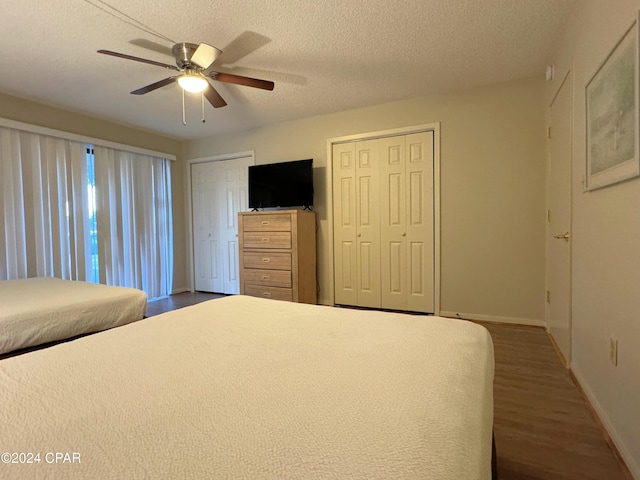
419	191
383	212
407	258
203	192
219	191
393	223
367	201
232	198
344	221
558	311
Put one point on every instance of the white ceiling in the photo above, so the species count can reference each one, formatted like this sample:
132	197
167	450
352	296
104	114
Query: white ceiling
323	55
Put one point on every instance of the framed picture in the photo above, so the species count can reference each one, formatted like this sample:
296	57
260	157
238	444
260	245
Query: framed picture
613	132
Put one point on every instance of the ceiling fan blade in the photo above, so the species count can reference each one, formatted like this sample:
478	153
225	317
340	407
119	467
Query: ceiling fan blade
154	86
205	55
214	98
138	59
240	80
153	46
244	44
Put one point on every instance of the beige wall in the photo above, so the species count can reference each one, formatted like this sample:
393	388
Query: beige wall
492	183
26	111
606	243
492	162
33	113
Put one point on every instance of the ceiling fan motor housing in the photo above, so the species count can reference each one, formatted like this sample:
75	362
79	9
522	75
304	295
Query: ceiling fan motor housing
183	53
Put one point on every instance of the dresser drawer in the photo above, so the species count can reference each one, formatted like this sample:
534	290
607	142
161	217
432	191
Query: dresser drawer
270	222
267	240
274	293
267	260
272	278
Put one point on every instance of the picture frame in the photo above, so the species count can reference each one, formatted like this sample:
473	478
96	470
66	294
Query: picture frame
612	115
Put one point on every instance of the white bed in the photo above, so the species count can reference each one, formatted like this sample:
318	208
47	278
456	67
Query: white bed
243	387
38	310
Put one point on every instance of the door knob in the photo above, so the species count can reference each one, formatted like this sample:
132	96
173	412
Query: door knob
562	237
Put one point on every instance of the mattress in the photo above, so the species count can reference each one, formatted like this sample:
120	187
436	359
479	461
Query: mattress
44	309
244	387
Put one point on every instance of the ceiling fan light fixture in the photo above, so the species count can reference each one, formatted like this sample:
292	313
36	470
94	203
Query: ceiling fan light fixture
192	83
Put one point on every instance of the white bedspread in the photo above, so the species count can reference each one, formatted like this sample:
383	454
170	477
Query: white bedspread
244	387
39	310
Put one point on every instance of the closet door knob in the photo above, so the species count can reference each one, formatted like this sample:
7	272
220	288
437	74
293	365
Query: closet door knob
562	237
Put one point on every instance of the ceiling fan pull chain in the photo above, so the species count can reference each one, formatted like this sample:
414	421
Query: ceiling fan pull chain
184	118
202	98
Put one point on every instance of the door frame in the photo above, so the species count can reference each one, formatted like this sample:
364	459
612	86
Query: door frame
188	199
428	127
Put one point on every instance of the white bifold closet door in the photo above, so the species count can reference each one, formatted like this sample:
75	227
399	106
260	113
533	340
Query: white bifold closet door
383	223
219	190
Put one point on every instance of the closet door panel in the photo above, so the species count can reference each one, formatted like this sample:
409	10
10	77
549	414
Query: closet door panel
344	218
393	229
368	223
233	178
419	198
206	190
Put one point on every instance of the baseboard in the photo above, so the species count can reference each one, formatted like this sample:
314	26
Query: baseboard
490	318
180	290
618	444
557	349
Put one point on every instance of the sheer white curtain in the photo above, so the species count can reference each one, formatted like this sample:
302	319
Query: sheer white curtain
134	220
43	190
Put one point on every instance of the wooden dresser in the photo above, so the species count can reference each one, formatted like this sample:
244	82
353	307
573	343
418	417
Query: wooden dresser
278	254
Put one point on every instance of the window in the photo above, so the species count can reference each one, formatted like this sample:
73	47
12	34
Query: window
79	212
134	220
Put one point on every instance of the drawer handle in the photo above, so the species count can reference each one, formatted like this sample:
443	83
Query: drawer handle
266	260
266	294
266	277
265	239
265	222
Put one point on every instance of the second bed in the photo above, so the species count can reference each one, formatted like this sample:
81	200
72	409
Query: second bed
38	310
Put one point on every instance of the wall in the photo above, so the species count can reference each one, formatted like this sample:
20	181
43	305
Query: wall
492	183
606	243
26	111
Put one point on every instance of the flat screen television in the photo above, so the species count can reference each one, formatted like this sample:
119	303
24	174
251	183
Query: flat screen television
286	184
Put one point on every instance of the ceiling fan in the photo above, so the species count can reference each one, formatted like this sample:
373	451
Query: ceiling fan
192	62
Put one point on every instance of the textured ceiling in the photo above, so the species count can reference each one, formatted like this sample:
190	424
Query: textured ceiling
324	56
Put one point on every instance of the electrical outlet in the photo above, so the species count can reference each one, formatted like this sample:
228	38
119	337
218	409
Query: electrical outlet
613	351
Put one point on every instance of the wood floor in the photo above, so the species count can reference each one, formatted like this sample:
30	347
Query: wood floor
174	302
543	428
